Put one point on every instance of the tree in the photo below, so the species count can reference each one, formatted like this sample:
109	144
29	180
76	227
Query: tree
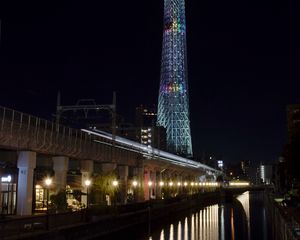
103	186
59	201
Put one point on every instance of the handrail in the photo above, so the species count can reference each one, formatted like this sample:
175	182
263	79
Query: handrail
24	131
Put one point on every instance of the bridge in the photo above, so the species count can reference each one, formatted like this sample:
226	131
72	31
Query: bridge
33	141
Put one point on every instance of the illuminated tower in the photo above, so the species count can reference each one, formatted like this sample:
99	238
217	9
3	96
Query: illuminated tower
173	100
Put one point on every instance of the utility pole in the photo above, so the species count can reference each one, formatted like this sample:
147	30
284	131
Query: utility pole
0	30
114	118
86	108
57	111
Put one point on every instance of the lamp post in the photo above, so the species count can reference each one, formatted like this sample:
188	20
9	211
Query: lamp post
162	193
150	188
87	183
48	182
149	207
115	184
179	188
134	184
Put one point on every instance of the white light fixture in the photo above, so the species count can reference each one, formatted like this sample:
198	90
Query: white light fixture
48	182
6	179
115	183
87	183
134	183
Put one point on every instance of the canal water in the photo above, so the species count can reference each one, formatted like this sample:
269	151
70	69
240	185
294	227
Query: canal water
242	219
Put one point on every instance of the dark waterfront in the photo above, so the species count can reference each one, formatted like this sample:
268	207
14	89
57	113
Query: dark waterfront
243	219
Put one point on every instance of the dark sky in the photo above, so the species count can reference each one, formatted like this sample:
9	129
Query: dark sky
243	63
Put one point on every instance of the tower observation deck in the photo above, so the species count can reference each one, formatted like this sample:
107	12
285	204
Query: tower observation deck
173	100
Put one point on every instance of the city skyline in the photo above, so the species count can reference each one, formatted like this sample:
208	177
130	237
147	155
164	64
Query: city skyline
242	60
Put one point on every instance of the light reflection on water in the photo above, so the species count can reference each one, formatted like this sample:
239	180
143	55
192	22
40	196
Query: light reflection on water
201	225
245	201
228	221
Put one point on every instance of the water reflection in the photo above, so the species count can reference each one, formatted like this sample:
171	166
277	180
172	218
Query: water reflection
228	221
232	224
200	225
185	229
162	235
244	199
222	223
171	231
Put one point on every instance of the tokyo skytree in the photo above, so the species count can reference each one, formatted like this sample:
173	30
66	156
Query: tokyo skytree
173	100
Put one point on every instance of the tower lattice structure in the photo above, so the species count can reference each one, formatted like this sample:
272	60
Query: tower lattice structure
173	100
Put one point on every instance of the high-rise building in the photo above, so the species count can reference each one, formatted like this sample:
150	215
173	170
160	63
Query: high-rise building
293	117
220	164
145	116
245	167
265	173
173	100
147	132
292	150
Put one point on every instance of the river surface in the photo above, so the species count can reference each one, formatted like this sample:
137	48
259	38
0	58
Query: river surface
243	219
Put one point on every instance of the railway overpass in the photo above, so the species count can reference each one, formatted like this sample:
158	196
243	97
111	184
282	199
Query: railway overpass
29	143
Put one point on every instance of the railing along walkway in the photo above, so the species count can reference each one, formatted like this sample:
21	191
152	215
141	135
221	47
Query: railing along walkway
22	131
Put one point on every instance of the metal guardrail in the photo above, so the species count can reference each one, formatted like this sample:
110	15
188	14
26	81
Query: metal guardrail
26	226
26	132
284	225
82	224
21	131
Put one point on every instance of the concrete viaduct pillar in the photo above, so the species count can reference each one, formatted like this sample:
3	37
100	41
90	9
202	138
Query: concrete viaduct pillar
158	187
60	167
108	167
26	164
154	184
0	193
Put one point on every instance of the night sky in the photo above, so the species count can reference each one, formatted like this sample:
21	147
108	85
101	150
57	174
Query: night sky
243	64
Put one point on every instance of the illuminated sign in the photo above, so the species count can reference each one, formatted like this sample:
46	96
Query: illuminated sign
6	179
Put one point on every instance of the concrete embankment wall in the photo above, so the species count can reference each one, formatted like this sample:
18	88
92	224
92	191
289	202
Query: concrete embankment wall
283	225
102	225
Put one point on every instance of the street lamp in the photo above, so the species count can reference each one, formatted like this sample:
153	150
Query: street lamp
115	183
149	207
48	182
134	183
87	183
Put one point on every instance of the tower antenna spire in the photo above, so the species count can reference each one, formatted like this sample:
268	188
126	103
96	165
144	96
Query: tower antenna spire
173	100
